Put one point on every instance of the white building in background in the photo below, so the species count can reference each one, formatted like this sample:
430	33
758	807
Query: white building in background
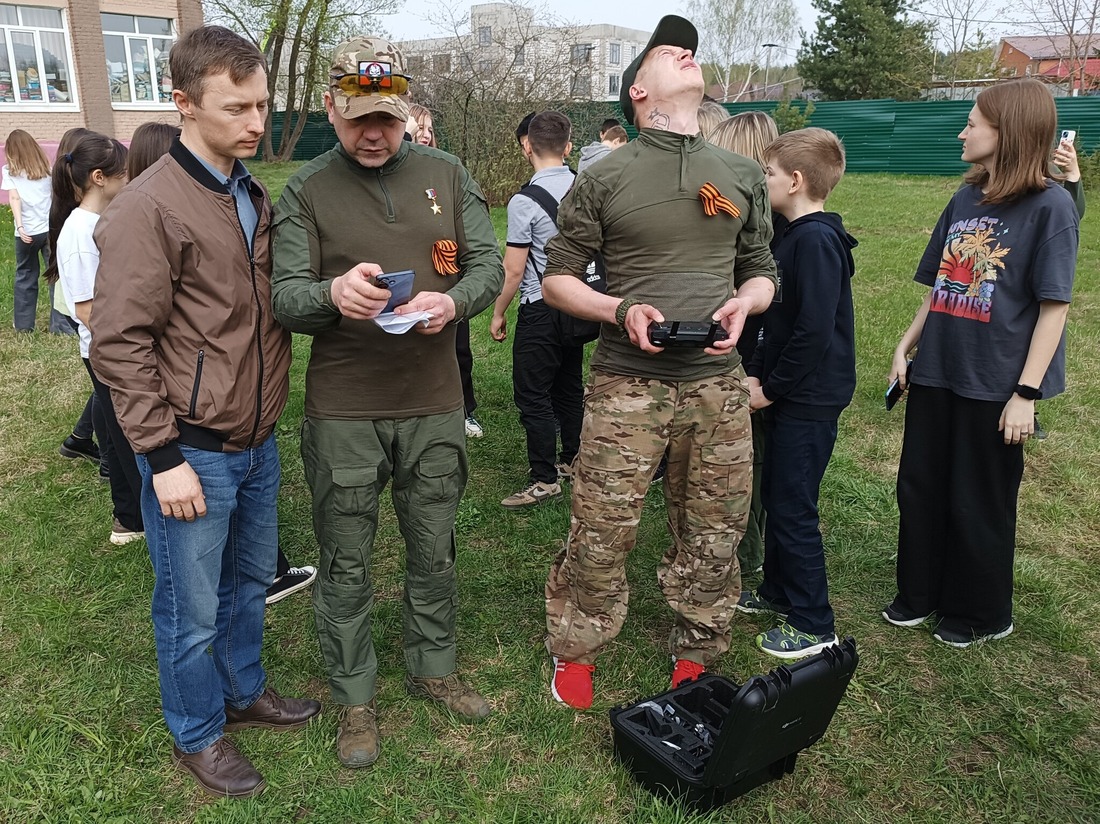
582	62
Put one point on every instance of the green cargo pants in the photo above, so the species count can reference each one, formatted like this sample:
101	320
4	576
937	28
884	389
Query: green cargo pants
629	423
347	465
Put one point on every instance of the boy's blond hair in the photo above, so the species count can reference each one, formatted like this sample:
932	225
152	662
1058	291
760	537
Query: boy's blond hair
817	153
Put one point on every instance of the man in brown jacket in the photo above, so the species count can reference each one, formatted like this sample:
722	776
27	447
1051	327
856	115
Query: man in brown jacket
198	369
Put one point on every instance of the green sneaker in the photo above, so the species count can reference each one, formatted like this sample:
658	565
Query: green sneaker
752	603
784	641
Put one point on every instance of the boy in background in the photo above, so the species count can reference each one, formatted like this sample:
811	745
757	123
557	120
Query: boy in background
547	381
804	374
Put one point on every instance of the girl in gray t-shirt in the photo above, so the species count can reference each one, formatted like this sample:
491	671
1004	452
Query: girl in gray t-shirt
990	341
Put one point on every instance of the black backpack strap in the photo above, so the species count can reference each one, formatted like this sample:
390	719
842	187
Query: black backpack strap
548	203
543	198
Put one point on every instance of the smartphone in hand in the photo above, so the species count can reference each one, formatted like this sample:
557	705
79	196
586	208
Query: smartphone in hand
894	391
400	285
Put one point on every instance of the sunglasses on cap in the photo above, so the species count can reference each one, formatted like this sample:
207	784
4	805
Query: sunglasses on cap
374	77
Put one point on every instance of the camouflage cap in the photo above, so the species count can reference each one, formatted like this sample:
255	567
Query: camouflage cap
357	57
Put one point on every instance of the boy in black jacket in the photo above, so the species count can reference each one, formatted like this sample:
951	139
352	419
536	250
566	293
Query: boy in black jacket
804	373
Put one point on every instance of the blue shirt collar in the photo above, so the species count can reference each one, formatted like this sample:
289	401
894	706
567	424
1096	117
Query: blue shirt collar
239	173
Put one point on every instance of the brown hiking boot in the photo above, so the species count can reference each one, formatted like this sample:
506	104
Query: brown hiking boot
357	738
451	692
221	770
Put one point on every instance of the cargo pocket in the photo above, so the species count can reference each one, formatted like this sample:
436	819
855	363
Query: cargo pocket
439	477
725	468
353	510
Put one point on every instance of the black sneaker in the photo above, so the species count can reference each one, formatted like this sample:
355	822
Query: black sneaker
900	618
662	467
961	640
296	579
104	473
76	448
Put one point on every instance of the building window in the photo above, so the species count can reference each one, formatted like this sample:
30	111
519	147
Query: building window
441	63
416	64
485	36
520	56
137	58
35	66
633	52
484	66
613	84
581	52
581	86
614	53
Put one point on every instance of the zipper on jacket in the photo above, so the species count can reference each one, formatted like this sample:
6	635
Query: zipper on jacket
390	216
259	321
195	389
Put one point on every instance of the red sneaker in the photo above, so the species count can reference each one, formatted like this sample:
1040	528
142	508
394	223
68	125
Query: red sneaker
685	671
572	683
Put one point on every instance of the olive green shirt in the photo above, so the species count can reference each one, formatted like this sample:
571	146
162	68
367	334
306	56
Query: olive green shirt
335	214
641	208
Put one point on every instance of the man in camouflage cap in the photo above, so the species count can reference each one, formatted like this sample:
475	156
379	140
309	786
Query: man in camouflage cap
382	407
683	229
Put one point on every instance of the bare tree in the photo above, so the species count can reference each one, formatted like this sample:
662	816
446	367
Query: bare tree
733	32
959	29
1073	28
480	83
295	37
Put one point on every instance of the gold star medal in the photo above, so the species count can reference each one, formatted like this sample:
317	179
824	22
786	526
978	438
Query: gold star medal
435	206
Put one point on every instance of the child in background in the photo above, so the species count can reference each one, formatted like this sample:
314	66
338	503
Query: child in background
749	134
85	180
26	179
79	444
803	375
1000	266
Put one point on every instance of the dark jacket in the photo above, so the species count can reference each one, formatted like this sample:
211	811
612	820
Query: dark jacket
807	360
182	331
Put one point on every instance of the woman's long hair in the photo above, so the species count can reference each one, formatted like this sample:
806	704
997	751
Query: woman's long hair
72	175
1024	115
150	142
25	157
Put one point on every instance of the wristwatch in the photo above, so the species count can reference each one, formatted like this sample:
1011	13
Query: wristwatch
1028	393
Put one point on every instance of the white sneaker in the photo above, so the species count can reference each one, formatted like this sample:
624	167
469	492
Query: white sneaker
473	428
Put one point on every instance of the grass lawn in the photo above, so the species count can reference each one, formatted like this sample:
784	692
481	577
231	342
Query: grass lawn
1004	733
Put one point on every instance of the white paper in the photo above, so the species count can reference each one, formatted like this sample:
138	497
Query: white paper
400	324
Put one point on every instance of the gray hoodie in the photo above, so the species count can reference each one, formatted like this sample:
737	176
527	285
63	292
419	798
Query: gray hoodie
591	153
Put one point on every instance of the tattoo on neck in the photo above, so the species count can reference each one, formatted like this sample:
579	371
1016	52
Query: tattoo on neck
658	119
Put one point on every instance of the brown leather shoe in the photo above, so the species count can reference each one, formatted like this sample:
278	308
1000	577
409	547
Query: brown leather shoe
272	712
451	692
221	770
357	737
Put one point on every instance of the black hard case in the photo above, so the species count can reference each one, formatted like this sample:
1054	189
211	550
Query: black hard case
756	730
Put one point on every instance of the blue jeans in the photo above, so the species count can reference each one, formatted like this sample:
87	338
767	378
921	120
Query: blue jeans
796	453
211	578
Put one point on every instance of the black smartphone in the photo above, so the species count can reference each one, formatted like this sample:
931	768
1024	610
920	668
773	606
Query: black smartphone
400	285
894	391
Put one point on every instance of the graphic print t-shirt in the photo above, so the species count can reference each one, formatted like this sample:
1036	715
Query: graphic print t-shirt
989	266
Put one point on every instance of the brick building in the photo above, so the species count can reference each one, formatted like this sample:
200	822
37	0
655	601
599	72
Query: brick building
101	64
1073	62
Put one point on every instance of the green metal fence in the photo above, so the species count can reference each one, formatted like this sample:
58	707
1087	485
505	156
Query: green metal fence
921	137
879	135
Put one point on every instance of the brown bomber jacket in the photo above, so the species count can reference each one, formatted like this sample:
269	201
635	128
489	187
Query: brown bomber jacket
182	327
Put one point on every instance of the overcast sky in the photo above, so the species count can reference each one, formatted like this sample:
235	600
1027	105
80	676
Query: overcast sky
413	22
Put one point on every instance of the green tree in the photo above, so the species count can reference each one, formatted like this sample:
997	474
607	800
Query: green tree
865	49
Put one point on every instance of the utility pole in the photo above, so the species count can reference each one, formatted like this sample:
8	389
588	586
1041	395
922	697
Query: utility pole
767	64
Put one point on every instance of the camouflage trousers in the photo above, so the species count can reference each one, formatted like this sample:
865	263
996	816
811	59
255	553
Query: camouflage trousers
629	422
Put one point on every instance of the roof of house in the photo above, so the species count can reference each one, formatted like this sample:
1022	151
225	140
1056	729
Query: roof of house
1049	46
1092	67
